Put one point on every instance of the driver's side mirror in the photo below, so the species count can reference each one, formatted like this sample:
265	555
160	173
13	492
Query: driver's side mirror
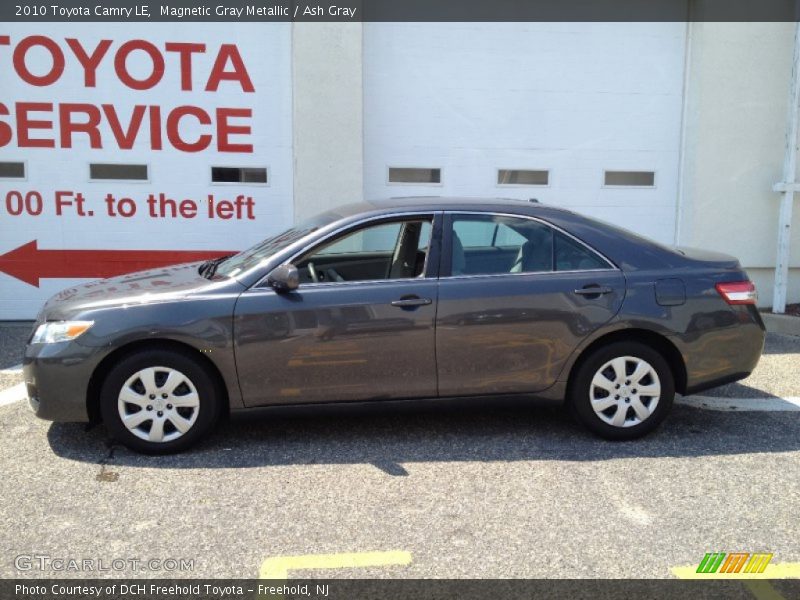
284	278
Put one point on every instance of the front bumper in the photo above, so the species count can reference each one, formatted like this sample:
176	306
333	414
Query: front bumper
57	379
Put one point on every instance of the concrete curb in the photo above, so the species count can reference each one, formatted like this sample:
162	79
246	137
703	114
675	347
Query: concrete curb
785	324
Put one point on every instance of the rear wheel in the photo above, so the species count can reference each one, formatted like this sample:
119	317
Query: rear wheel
159	401
622	391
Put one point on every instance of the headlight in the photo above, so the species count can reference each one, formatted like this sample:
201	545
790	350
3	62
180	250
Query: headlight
59	331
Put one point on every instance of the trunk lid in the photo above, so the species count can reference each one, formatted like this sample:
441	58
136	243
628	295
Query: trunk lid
715	260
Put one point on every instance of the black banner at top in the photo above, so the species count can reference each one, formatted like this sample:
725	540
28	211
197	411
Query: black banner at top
232	11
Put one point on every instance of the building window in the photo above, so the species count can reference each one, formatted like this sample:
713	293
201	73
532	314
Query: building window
239	175
522	177
414	175
103	171
12	170
630	178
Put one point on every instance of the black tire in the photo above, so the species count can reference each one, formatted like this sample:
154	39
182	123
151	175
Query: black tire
207	400
581	388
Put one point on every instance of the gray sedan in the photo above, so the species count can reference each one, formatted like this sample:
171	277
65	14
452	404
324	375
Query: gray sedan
415	298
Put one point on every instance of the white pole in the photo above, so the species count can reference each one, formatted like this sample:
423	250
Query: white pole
788	187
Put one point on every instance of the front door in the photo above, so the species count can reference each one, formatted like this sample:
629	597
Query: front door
359	327
516	300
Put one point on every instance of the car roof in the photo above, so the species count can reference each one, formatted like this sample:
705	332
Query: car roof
414	203
447	200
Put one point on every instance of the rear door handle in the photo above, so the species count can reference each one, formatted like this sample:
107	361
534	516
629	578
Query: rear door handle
594	290
411	301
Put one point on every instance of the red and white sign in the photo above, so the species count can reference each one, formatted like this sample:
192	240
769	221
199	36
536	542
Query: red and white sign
179	100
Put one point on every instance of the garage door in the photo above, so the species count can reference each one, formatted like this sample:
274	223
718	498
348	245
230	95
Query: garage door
128	145
586	116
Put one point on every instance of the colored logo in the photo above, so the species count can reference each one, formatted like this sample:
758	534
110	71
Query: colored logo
734	562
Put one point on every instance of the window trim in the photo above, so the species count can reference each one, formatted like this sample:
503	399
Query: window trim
548	170
415	183
447	257
211	181
605	186
24	169
90	179
430	271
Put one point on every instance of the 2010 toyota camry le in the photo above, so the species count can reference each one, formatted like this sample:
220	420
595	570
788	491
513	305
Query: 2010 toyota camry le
411	298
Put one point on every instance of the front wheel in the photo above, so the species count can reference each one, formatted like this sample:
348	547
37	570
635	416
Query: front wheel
158	401
622	391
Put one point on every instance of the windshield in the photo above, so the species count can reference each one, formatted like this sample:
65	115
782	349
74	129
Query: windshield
251	257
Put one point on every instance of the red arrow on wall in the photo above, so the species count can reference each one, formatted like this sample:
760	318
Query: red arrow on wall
30	264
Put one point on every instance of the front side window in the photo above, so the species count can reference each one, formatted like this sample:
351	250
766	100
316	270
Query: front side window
381	238
395	249
264	250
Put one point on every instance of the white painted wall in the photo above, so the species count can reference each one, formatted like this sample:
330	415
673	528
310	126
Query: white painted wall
738	88
574	98
328	120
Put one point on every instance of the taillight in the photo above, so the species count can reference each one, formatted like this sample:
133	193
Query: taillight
738	292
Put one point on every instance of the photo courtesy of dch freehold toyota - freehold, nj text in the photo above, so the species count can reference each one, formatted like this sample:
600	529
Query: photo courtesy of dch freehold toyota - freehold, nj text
379	299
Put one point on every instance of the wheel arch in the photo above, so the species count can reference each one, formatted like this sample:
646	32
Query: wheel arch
101	371
659	342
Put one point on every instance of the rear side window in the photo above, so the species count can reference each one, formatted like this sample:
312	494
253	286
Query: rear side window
486	233
495	244
573	256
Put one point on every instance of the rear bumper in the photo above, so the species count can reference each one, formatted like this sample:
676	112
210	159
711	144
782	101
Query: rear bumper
719	356
57	379
712	383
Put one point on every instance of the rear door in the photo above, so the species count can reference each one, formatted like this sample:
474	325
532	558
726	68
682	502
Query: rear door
359	327
516	297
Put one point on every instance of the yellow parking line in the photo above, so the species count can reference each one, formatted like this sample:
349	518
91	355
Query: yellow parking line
761	590
278	567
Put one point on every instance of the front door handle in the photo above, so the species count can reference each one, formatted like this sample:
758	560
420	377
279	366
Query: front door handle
411	301
594	290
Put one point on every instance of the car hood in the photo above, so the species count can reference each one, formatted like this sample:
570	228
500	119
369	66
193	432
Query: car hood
143	287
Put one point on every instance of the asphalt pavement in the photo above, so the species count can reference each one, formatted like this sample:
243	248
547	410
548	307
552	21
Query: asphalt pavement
480	493
13	336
